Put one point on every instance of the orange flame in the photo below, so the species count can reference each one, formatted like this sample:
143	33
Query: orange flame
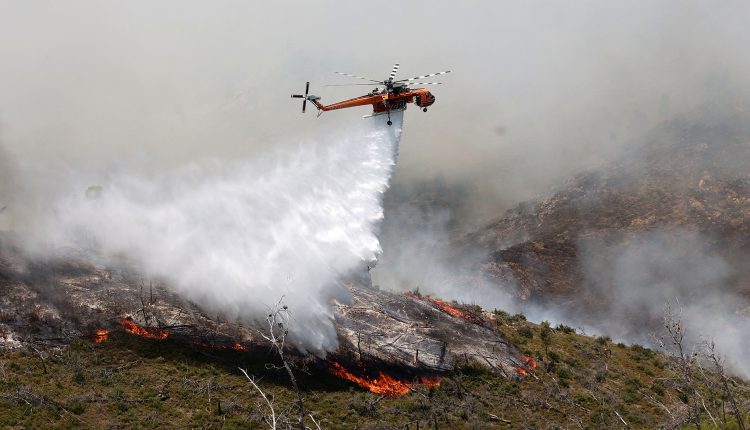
147	332
445	307
384	384
529	362
101	335
450	310
430	381
240	347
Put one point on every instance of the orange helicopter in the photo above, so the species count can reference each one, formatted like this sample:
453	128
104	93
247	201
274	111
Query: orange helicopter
393	97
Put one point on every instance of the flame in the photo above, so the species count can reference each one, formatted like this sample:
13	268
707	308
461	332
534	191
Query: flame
445	307
147	332
384	384
101	335
240	347
529	362
430	381
450	310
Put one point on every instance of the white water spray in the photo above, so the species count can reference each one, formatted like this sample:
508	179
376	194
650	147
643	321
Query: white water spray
236	237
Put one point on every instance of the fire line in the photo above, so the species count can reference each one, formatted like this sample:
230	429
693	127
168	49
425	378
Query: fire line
383	384
150	333
442	305
101	335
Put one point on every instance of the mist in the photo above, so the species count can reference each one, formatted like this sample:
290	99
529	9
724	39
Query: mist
630	282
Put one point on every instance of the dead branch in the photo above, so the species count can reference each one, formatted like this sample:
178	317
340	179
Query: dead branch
716	360
278	329
271	418
622	419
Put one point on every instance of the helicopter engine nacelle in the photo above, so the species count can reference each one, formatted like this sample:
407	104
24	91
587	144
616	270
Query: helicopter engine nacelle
425	99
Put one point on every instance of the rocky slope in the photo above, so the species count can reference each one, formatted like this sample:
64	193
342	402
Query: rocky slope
688	175
57	300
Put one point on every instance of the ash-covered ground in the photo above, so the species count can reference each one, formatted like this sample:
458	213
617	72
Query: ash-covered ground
70	296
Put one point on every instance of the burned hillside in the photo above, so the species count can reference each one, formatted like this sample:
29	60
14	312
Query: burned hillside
58	300
667	221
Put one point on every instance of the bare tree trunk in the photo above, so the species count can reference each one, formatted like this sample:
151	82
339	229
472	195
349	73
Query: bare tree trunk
716	360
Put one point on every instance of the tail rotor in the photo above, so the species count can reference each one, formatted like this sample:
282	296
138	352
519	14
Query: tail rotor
303	97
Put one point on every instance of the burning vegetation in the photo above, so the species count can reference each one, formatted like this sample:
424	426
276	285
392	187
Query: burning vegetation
529	364
383	384
446	307
101	335
132	327
148	332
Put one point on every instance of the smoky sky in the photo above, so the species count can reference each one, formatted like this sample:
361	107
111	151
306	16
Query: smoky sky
538	89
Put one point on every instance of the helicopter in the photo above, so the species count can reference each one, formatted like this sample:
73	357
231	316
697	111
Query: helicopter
393	97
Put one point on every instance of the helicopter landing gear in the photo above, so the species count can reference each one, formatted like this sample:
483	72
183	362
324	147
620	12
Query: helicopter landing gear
424	109
389	118
389	122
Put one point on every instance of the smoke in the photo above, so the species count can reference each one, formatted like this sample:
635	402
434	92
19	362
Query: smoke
605	254
418	237
236	237
629	283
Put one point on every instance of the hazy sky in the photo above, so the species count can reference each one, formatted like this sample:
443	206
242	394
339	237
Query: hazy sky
537	89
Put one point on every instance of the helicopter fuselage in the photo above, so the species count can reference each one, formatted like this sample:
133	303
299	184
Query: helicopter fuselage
382	101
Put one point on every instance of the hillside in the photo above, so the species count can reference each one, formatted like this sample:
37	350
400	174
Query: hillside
133	382
89	343
666	220
85	345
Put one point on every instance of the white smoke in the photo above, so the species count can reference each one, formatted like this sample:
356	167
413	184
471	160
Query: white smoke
633	279
236	237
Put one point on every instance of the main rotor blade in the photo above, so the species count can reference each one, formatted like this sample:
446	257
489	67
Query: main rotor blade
358	77
304	103
298	96
307	89
393	73
424	76
425	83
347	85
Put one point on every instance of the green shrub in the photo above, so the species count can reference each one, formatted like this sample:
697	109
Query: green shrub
526	332
77	408
501	315
658	388
642	351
